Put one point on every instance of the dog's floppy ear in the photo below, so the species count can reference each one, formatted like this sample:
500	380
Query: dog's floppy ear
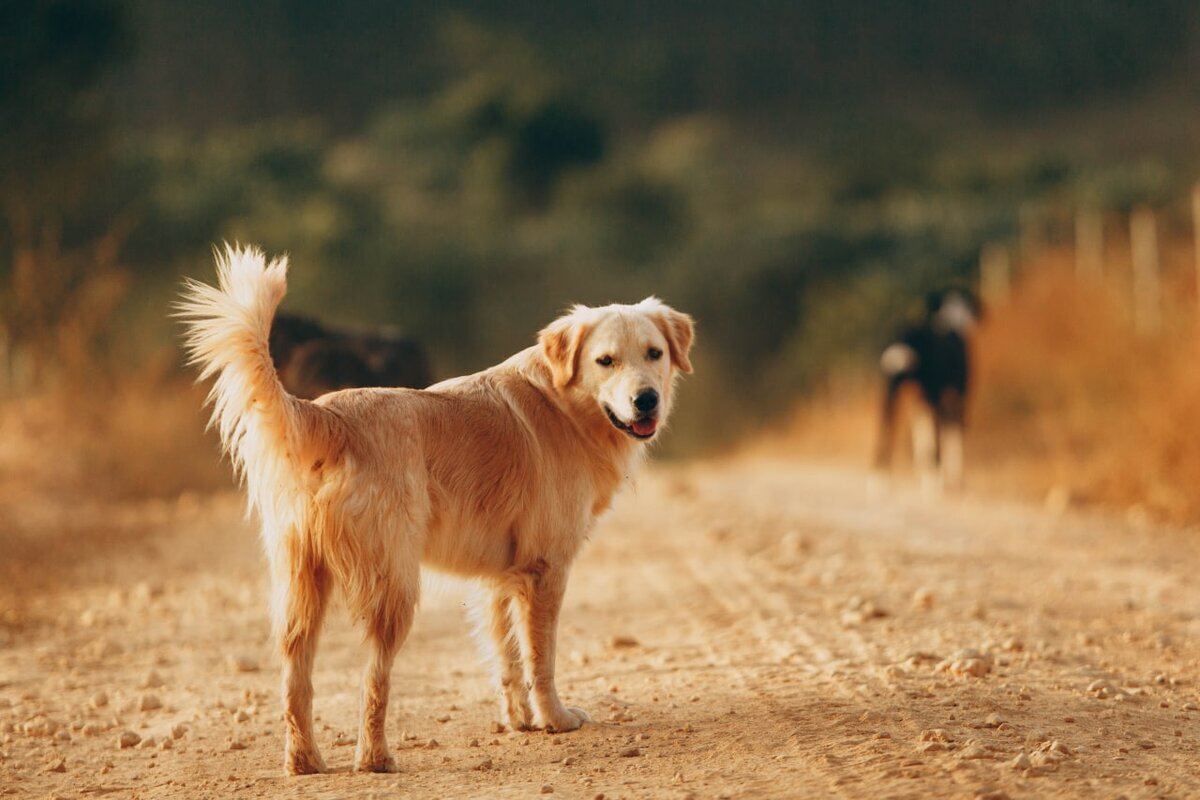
678	329
560	342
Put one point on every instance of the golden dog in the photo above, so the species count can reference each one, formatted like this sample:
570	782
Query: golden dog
498	476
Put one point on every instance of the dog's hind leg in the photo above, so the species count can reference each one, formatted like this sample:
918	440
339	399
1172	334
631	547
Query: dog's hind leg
952	456
304	594
950	440
925	449
388	623
538	607
887	425
493	609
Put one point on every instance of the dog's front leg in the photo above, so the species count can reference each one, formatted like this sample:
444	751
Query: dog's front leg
538	630
492	609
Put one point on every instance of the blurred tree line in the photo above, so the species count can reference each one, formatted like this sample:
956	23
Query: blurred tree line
791	173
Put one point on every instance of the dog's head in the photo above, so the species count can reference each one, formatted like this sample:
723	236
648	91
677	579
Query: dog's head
954	310
625	358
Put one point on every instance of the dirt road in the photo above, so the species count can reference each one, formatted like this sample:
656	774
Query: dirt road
750	629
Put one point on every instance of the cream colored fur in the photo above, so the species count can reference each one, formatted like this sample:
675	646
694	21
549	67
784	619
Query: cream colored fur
498	476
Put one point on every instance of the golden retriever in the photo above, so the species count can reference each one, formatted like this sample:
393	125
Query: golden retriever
498	476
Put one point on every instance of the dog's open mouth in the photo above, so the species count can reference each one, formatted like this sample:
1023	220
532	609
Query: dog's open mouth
639	429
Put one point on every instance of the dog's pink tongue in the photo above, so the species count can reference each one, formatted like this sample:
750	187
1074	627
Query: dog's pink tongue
644	427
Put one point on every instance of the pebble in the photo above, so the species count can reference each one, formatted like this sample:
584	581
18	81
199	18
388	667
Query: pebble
237	744
167	743
102	648
1105	690
974	751
975	667
242	663
497	727
569	760
1021	762
432	744
993	721
178	731
923	598
630	752
153	681
442	718
242	715
547	789
936	735
145	591
58	765
988	793
484	765
148	743
99	700
623	641
473	743
859	611
149	702
128	739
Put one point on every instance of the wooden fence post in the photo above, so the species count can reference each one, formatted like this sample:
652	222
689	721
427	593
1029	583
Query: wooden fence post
1089	245
1196	233
995	274
1147	308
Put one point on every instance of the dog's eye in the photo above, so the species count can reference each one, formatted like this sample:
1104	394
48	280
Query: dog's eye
654	354
605	361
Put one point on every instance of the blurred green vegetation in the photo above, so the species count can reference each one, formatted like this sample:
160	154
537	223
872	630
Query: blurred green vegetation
514	184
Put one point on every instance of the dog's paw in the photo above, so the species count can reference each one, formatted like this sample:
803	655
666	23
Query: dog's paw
565	719
378	764
516	712
303	763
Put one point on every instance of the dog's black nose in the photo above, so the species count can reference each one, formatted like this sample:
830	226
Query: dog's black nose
646	401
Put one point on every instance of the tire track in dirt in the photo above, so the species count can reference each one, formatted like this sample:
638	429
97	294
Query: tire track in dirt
772	605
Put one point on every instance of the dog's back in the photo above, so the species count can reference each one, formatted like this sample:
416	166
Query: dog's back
314	359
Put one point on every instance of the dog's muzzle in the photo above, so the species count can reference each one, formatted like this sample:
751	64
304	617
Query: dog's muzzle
644	427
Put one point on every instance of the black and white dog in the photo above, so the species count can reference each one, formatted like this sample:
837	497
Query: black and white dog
934	357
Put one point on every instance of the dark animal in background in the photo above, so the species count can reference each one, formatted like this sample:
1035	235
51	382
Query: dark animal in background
934	358
313	358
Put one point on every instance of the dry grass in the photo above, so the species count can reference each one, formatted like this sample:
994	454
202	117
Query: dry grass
1069	401
1070	398
139	436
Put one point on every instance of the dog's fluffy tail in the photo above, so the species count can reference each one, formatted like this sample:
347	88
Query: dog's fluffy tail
228	327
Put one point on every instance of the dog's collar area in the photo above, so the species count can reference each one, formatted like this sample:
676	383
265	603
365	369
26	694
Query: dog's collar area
629	429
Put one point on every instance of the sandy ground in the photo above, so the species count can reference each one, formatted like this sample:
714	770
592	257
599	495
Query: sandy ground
749	629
